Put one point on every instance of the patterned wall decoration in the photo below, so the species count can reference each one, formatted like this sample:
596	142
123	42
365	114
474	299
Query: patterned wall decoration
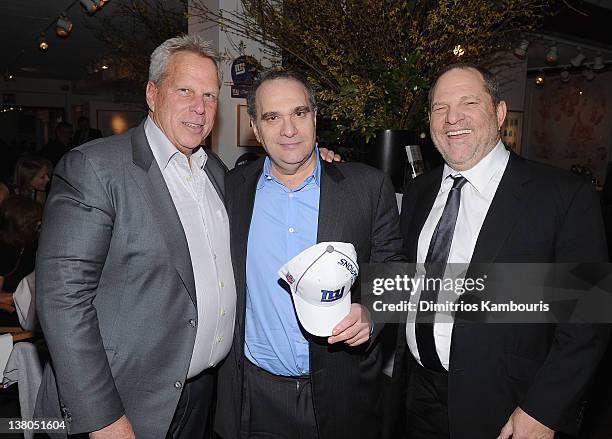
571	123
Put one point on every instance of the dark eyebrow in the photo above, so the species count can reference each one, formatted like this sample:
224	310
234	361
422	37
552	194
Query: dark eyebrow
301	109
269	114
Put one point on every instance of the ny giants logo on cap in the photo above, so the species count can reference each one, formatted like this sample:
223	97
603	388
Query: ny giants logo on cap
289	278
332	296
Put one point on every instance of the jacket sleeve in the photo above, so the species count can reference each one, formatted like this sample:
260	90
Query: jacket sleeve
556	395
75	238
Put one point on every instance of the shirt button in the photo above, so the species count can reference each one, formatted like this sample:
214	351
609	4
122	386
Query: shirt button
222	311
221	284
192	323
291	230
211	364
178	385
219	339
291	195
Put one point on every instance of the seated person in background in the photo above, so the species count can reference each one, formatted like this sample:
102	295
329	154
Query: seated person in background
20	219
30	179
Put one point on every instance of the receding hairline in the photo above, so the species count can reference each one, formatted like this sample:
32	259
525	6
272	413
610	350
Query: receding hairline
170	64
287	79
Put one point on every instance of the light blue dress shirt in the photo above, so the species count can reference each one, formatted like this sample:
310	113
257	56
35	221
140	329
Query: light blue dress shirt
284	224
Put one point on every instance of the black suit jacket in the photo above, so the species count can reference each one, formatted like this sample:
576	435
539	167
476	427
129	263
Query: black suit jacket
357	205
539	214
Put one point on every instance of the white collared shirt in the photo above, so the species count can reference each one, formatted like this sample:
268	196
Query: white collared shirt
206	225
476	197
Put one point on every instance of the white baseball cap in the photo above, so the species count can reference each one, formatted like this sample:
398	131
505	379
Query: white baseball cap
320	279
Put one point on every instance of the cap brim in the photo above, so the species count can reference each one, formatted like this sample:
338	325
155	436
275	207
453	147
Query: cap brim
321	320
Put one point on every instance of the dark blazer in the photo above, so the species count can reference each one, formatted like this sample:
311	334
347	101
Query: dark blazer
538	214
357	205
115	289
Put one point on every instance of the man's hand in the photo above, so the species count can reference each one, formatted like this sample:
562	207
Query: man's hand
329	156
354	329
522	426
120	429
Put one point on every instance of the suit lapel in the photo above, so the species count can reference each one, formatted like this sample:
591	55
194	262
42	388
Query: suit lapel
242	199
149	178
504	211
331	203
420	211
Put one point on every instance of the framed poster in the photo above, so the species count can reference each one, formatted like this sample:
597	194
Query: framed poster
244	132
512	130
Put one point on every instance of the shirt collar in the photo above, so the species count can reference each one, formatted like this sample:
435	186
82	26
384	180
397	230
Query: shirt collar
164	151
480	175
267	176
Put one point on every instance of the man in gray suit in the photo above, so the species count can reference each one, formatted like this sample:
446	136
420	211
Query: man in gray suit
135	288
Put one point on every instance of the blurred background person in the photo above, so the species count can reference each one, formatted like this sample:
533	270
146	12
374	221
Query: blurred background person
61	144
20	219
30	179
85	133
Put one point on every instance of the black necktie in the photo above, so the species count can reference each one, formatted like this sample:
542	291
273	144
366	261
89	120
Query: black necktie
435	265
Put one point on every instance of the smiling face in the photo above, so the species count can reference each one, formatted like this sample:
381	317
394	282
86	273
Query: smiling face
183	105
464	125
286	126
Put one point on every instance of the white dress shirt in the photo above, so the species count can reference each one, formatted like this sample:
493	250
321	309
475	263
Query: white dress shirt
476	197
206	225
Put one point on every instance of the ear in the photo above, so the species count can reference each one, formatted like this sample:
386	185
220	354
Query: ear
151	94
255	131
501	113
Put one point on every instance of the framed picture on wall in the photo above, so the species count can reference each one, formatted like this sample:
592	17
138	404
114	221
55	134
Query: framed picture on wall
512	130
244	131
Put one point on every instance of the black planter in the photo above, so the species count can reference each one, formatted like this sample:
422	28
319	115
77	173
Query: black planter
387	152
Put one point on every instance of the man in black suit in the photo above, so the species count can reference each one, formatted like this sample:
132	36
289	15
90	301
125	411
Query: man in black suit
278	380
486	204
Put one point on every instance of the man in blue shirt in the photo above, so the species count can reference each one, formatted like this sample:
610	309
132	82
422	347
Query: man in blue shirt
278	380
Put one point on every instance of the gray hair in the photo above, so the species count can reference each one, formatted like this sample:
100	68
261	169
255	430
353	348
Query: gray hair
183	43
271	75
491	84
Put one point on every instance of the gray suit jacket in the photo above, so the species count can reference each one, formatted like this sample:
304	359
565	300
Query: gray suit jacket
115	289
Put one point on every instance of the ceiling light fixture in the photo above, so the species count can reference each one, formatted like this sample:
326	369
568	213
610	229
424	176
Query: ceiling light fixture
565	75
521	51
42	42
577	60
588	74
552	56
91	6
63	25
539	80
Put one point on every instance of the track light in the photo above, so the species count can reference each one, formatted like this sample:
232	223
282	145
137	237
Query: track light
539	80
63	25
92	6
565	75
552	56
577	60
588	74
42	42
521	51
